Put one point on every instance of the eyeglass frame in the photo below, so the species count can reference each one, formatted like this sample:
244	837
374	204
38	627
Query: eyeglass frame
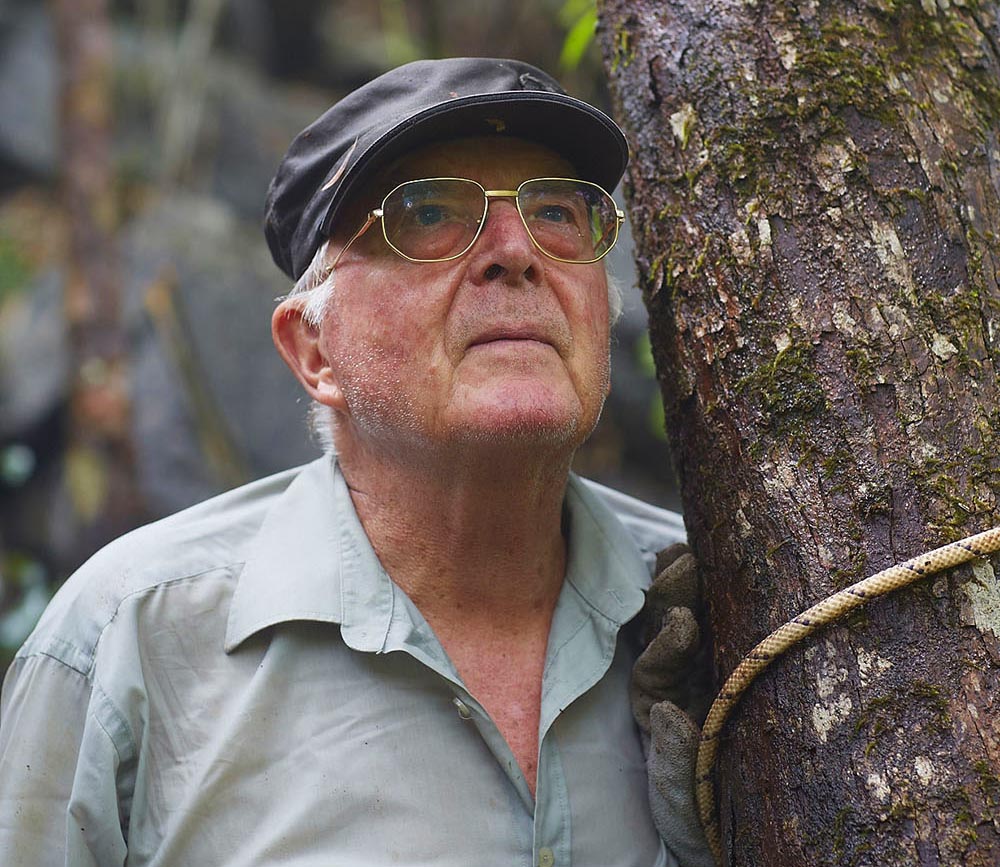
378	213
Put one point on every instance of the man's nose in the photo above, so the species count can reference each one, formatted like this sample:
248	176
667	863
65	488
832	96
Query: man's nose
504	249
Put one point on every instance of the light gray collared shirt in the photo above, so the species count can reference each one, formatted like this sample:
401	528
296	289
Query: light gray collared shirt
242	684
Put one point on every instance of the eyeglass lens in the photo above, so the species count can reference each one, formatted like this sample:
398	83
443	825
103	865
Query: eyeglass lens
440	218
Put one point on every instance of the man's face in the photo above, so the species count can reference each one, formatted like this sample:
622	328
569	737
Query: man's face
502	345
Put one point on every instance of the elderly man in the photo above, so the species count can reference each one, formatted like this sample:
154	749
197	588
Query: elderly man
411	651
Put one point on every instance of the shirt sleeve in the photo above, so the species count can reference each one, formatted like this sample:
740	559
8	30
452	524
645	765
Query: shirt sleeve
59	800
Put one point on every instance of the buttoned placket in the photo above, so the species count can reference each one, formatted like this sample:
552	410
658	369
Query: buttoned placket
550	807
471	711
563	682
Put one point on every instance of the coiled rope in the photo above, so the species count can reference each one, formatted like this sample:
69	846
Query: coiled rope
784	637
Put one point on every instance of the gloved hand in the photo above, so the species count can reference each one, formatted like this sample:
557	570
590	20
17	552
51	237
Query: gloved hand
671	682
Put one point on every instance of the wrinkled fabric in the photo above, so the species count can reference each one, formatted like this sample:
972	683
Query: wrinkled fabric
243	684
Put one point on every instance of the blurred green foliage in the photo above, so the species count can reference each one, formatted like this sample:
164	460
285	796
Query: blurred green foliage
398	38
24	593
580	19
656	418
14	268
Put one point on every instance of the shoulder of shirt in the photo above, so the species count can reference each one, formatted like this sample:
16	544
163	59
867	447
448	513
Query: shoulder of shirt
651	527
208	537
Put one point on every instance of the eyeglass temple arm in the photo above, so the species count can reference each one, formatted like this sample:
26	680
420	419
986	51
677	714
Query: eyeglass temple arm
372	217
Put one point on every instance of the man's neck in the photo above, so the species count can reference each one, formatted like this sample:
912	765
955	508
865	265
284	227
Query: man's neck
475	537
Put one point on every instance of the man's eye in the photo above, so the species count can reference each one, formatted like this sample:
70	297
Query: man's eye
429	215
554	214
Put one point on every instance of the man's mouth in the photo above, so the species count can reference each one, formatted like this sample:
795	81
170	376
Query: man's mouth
507	334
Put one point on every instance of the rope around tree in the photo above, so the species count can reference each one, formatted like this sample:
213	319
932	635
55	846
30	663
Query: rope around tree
821	614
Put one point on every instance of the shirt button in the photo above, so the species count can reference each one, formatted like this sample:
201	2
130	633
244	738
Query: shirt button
463	708
545	857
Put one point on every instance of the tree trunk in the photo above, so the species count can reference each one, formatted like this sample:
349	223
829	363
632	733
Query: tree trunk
815	196
99	463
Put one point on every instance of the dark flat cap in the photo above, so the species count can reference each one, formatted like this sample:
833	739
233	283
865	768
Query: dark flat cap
413	105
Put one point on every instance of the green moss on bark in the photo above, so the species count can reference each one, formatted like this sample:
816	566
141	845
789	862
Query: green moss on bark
786	390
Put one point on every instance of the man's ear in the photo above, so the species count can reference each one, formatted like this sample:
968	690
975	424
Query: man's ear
298	343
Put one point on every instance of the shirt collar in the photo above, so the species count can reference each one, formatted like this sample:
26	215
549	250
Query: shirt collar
604	565
311	560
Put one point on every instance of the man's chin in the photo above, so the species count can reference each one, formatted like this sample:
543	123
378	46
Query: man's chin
530	416
539	430
528	432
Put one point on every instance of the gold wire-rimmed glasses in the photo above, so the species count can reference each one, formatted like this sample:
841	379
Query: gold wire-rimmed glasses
439	219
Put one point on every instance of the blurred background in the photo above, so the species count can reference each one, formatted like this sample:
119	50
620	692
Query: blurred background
137	140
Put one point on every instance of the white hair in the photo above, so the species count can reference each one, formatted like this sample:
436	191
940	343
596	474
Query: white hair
615	297
316	286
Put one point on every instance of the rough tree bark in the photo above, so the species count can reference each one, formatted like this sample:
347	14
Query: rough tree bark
99	463
815	194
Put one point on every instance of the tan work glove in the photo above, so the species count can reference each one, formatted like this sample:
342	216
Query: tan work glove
671	683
